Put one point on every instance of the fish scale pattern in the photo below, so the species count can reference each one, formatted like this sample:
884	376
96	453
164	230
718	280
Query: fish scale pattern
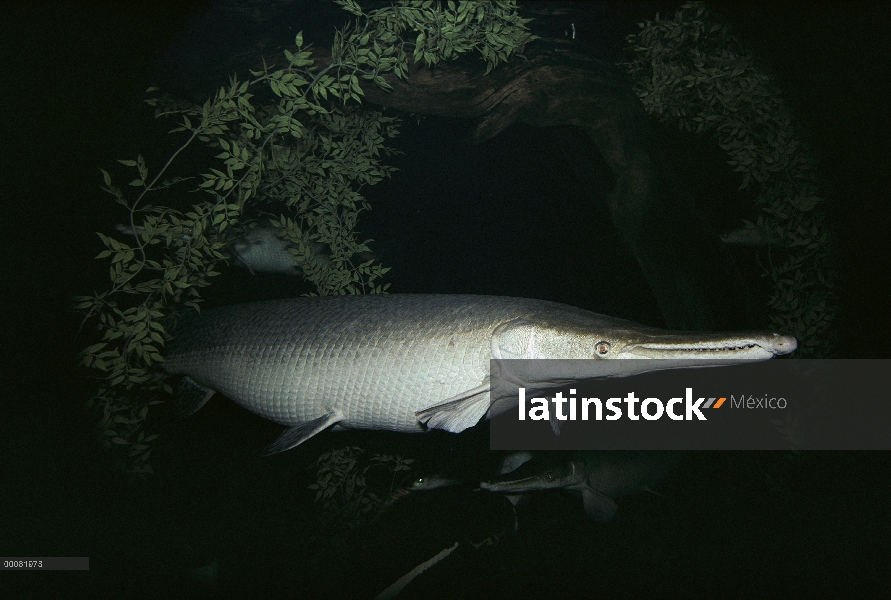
375	360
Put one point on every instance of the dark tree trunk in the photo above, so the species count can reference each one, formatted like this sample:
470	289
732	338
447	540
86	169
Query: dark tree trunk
558	85
562	88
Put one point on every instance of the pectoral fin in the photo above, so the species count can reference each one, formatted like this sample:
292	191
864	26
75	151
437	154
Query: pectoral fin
599	507
300	433
459	412
236	254
191	396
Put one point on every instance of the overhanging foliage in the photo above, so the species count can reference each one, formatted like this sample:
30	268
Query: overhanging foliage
292	140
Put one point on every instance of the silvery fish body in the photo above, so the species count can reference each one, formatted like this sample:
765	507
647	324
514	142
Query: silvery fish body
375	360
399	362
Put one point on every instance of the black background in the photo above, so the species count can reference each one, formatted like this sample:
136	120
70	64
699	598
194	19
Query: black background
71	80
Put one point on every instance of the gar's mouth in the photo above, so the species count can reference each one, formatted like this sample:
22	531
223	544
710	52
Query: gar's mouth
759	347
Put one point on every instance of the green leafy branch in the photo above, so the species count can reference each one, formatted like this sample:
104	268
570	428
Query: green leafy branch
343	488
440	32
279	139
692	71
169	255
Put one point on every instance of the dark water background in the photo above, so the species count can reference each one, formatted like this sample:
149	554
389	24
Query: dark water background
456	218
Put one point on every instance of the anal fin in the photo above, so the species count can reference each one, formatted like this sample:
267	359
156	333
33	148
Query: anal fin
190	397
300	433
599	507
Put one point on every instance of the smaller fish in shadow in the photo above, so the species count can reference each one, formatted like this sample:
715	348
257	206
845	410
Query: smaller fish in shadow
600	477
263	250
507	464
426	483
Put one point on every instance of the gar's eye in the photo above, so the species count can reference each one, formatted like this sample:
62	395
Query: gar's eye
602	348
